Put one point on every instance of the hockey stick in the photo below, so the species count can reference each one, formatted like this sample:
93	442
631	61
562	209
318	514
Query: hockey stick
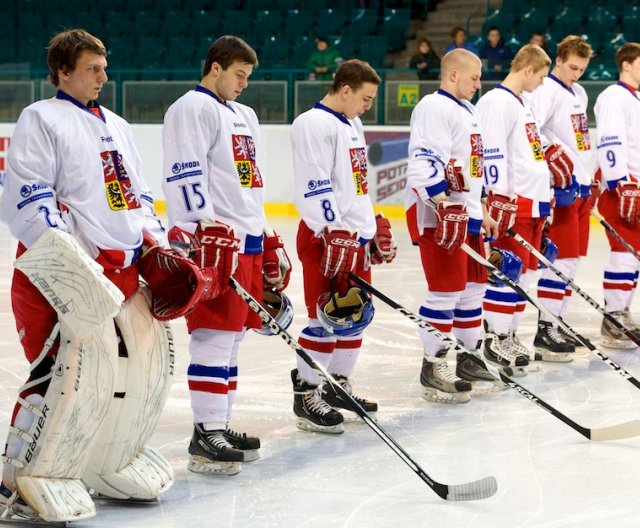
614	432
479	489
615	234
573	286
494	271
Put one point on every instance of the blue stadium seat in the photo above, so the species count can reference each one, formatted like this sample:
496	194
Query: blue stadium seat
533	20
330	22
365	21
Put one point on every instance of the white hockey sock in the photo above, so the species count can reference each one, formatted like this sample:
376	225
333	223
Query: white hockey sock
467	316
620	277
233	373
521	304
499	306
551	289
345	355
437	310
320	345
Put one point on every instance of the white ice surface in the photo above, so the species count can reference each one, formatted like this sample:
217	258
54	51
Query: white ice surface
548	475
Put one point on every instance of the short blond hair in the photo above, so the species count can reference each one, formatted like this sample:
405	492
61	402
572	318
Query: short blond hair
530	55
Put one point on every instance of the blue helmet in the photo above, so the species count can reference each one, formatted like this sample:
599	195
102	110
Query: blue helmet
345	315
565	197
279	307
507	262
549	250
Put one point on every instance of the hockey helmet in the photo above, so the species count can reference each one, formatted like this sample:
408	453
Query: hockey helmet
347	314
549	250
507	262
279	307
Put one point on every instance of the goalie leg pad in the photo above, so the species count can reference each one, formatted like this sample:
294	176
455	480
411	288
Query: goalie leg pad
120	466
53	434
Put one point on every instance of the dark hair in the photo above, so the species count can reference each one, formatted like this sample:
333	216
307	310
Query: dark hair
227	50
354	73
425	40
628	52
456	30
65	48
494	28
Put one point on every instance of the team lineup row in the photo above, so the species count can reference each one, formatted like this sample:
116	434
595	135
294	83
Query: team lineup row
511	170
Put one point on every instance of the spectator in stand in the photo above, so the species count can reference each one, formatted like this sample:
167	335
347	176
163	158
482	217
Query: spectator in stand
496	57
539	39
459	37
324	62
425	61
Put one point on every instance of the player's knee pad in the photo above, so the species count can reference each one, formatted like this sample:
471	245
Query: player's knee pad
120	465
52	451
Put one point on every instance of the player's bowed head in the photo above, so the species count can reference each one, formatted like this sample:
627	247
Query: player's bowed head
460	72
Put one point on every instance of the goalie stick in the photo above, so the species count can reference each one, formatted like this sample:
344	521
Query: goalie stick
478	489
573	286
615	234
494	271
613	432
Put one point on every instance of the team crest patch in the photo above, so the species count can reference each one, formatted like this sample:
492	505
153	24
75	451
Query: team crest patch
358	158
534	141
120	193
477	157
581	131
244	157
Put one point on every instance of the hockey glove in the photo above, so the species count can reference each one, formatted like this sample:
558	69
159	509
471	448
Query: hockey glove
383	246
276	266
503	210
177	284
548	249
451	228
218	248
629	201
182	242
340	253
560	166
507	263
454	176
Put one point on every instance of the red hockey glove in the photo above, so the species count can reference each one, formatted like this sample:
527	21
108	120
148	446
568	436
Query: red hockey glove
503	210
451	230
340	252
276	266
629	201
219	249
560	166
182	242
454	176
383	246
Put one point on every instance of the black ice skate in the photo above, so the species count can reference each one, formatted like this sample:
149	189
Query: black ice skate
483	381
442	385
334	399
212	453
497	349
249	445
516	346
575	342
612	337
314	414
551	344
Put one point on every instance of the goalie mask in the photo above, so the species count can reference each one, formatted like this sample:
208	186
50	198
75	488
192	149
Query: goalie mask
347	314
279	307
506	262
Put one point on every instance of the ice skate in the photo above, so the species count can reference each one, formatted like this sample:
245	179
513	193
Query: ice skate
314	414
551	344
612	337
497	349
249	445
516	346
331	396
442	385
212	453
570	338
482	380
14	510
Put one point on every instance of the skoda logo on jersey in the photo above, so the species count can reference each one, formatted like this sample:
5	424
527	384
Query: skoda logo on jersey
312	185
25	190
175	168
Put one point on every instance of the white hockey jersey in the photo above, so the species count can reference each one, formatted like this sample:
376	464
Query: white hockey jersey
330	172
71	169
514	161
210	170
442	128
617	112
562	115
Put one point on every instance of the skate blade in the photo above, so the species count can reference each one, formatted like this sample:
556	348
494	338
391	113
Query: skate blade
555	357
618	344
306	425
534	366
352	417
104	498
438	396
199	464
17	519
487	387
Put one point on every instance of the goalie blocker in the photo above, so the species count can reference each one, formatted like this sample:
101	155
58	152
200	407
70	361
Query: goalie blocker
99	402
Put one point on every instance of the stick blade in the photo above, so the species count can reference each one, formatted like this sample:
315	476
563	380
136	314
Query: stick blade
616	432
479	489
